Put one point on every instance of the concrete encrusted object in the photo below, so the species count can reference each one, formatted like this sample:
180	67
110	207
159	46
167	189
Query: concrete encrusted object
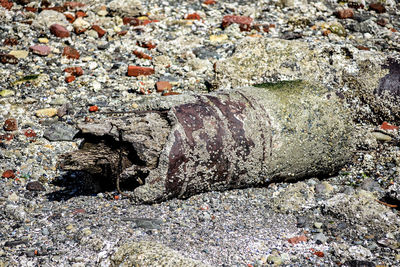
150	254
368	79
246	137
362	208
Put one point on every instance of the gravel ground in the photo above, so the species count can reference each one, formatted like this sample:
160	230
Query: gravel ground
53	77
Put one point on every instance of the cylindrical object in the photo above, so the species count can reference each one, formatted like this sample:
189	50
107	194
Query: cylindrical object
234	139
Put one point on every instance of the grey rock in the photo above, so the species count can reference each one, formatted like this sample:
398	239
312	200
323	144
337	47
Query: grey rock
46	18
60	132
320	237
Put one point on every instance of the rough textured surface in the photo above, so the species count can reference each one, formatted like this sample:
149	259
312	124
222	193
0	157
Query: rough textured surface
150	254
247	137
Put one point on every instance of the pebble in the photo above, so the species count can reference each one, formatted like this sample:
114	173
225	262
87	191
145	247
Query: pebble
42	50
59	31
10	125
19	53
46	112
381	136
35	186
320	237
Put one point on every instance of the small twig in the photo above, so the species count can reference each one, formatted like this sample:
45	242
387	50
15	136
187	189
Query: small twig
386	204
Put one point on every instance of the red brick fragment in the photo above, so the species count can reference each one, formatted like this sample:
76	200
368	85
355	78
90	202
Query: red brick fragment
193	16
147	45
122	33
71	53
80	14
41	50
297	239
261	27
148	21
7	137
10	125
99	30
59	31
10	41
76	211
6	4
76	71
170	93
55	8
393	30
361	47
8	174
138	71
319	254
73	4
345	13
141	55
10	59
131	21
30	133
70	79
377	7
387	126
382	22
163	85
93	108
70	17
31	9
244	22
209	2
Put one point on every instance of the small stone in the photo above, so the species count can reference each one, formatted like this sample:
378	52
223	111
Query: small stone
338	29
103	11
13	197
275	260
10	125
42	50
141	55
10	41
377	7
297	239
138	71
318	225
218	38
19	53
86	232
60	132
167	93
99	30
73	5
244	22
35	186
70	79
345	13
71	53
320	237
59	31
163	85
381	136
43	40
80	25
30	133
8	174
6	4
209	2
96	86
46	112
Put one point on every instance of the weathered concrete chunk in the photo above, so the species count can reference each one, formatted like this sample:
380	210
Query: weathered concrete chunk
246	137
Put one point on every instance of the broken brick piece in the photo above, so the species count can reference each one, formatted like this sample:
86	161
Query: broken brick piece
163	85
71	53
5	58
131	21
387	126
99	30
147	45
73	4
209	2
10	41
377	7
10	125
6	4
80	14
70	79
297	239
244	22
76	71
70	17
345	13
8	174
193	16
141	55
93	108
139	71
59	30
